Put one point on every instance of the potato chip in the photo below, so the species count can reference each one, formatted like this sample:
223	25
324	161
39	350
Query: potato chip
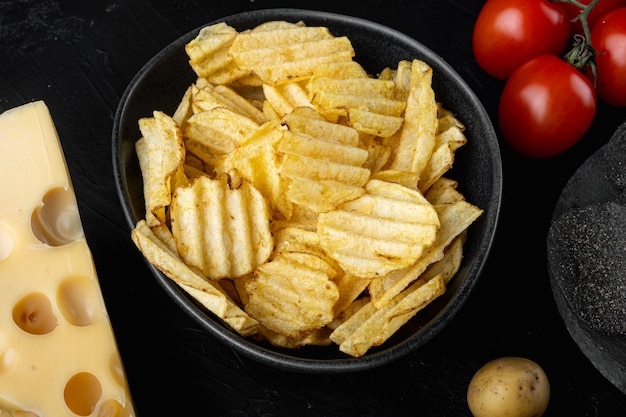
316	337
293	294
343	314
302	217
321	174
402	79
372	327
217	131
379	153
184	109
339	70
295	239
440	162
351	288
453	136
221	226
288	54
416	140
449	265
308	121
161	154
286	97
386	229
367	103
209	54
210	96
257	161
454	219
444	191
404	178
161	255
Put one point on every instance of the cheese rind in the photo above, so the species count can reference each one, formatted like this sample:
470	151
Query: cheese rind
58	354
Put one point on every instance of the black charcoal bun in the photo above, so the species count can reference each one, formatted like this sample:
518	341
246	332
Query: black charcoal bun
586	252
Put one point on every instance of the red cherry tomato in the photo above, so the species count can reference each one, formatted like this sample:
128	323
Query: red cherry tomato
608	37
508	33
600	9
546	106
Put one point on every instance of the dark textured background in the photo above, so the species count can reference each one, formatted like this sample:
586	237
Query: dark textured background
78	56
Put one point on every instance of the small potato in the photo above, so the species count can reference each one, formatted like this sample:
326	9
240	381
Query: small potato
509	387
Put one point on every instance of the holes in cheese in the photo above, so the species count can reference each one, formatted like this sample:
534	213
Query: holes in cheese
78	300
82	393
33	314
56	221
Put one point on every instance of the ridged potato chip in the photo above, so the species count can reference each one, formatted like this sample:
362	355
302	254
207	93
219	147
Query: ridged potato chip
454	219
221	226
386	229
416	140
161	154
292	294
159	250
288	54
209	54
368	104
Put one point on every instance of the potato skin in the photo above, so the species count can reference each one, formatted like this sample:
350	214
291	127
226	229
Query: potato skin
509	387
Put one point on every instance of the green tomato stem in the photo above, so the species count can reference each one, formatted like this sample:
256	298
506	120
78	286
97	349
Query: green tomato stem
582	54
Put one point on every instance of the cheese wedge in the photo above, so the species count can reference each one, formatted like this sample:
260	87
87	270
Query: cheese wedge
58	354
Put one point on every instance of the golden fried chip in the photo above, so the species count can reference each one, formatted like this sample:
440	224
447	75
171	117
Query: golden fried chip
257	161
308	121
301	217
295	239
343	314
386	229
407	179
339	70
293	294
453	136
372	327
209	54
210	96
161	255
449	265
184	109
217	132
367	103
221	226
444	191
454	219
402	79
440	162
417	138
321	174
288	54
316	337
379	153
161	154
350	289
284	98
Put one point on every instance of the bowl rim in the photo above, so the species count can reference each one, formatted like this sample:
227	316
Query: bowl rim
268	356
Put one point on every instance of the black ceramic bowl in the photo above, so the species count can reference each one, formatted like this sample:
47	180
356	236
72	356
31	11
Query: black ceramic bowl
160	85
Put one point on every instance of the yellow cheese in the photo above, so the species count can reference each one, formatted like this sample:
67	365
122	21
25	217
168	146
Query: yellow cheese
58	354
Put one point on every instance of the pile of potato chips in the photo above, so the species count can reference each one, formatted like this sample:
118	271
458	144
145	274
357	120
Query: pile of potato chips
298	198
